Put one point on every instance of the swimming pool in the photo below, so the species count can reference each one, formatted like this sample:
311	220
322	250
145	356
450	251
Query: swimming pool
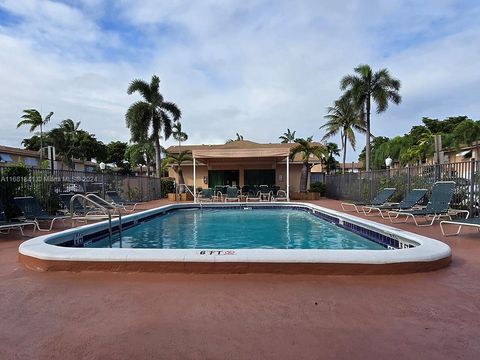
240	238
238	228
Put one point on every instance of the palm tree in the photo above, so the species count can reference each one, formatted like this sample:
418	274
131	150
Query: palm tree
365	86
153	113
345	118
178	159
306	148
239	138
329	161
287	137
33	118
64	138
178	134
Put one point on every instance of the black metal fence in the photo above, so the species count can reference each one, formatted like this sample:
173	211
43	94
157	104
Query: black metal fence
364	185
46	185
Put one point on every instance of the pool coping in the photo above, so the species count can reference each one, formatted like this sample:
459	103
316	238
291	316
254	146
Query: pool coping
428	254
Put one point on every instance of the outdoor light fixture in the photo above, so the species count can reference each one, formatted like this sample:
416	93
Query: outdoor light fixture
102	166
388	161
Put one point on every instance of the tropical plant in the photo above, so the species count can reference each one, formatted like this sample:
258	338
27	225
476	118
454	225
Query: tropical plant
344	118
307	148
329	161
239	138
33	118
365	86
152	114
466	133
64	139
177	160
178	134
287	137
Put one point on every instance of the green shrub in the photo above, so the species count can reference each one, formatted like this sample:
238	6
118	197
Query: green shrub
318	187
167	187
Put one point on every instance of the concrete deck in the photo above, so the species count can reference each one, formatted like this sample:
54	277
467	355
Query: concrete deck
91	315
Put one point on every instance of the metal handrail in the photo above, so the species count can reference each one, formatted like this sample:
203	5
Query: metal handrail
195	198
108	211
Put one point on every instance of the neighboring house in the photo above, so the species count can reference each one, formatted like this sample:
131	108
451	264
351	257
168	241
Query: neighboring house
11	155
240	163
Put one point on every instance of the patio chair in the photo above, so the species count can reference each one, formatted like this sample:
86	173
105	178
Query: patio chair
265	193
117	200
232	194
205	195
253	196
468	222
78	207
437	207
218	193
381	198
32	210
410	201
281	195
7	225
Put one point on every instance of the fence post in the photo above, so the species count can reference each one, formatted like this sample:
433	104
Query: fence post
472	185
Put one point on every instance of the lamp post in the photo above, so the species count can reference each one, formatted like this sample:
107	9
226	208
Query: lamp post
102	168
388	163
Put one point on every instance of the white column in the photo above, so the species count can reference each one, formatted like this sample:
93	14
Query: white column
288	178
194	181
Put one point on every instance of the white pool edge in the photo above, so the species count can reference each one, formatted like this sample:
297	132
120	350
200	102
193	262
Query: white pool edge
427	250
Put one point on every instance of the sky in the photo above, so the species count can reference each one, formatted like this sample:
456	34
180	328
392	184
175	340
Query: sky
249	67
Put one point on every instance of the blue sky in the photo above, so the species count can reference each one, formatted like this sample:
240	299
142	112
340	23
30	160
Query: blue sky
252	67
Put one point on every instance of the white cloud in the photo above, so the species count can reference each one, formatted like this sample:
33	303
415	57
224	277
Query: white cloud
253	67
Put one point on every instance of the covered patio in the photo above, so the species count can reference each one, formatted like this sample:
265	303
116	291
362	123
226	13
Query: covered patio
244	167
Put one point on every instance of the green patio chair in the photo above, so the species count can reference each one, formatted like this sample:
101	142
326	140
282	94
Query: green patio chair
8	225
205	195
410	201
118	201
281	195
469	222
32	210
232	194
381	198
265	193
78	207
438	205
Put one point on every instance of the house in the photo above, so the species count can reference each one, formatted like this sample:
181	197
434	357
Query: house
12	155
240	163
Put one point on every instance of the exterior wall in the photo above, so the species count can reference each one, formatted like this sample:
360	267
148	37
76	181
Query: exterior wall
280	173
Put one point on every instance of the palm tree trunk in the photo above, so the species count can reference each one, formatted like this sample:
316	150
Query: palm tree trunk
181	179
344	144
158	159
304	178
367	144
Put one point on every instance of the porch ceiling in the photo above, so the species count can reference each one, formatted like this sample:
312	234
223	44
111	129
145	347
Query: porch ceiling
254	154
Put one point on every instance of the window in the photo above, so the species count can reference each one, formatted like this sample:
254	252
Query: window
5	158
30	161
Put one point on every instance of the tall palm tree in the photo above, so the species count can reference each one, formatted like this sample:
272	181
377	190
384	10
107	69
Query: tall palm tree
178	159
152	114
306	147
365	86
178	134
33	118
343	118
287	137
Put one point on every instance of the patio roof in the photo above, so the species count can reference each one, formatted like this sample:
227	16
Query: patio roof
217	153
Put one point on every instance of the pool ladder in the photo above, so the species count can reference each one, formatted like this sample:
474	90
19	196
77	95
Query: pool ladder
195	198
104	209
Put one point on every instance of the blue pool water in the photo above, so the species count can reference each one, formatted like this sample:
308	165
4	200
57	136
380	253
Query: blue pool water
239	229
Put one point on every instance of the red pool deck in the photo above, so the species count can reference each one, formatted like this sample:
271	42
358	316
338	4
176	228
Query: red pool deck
99	315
